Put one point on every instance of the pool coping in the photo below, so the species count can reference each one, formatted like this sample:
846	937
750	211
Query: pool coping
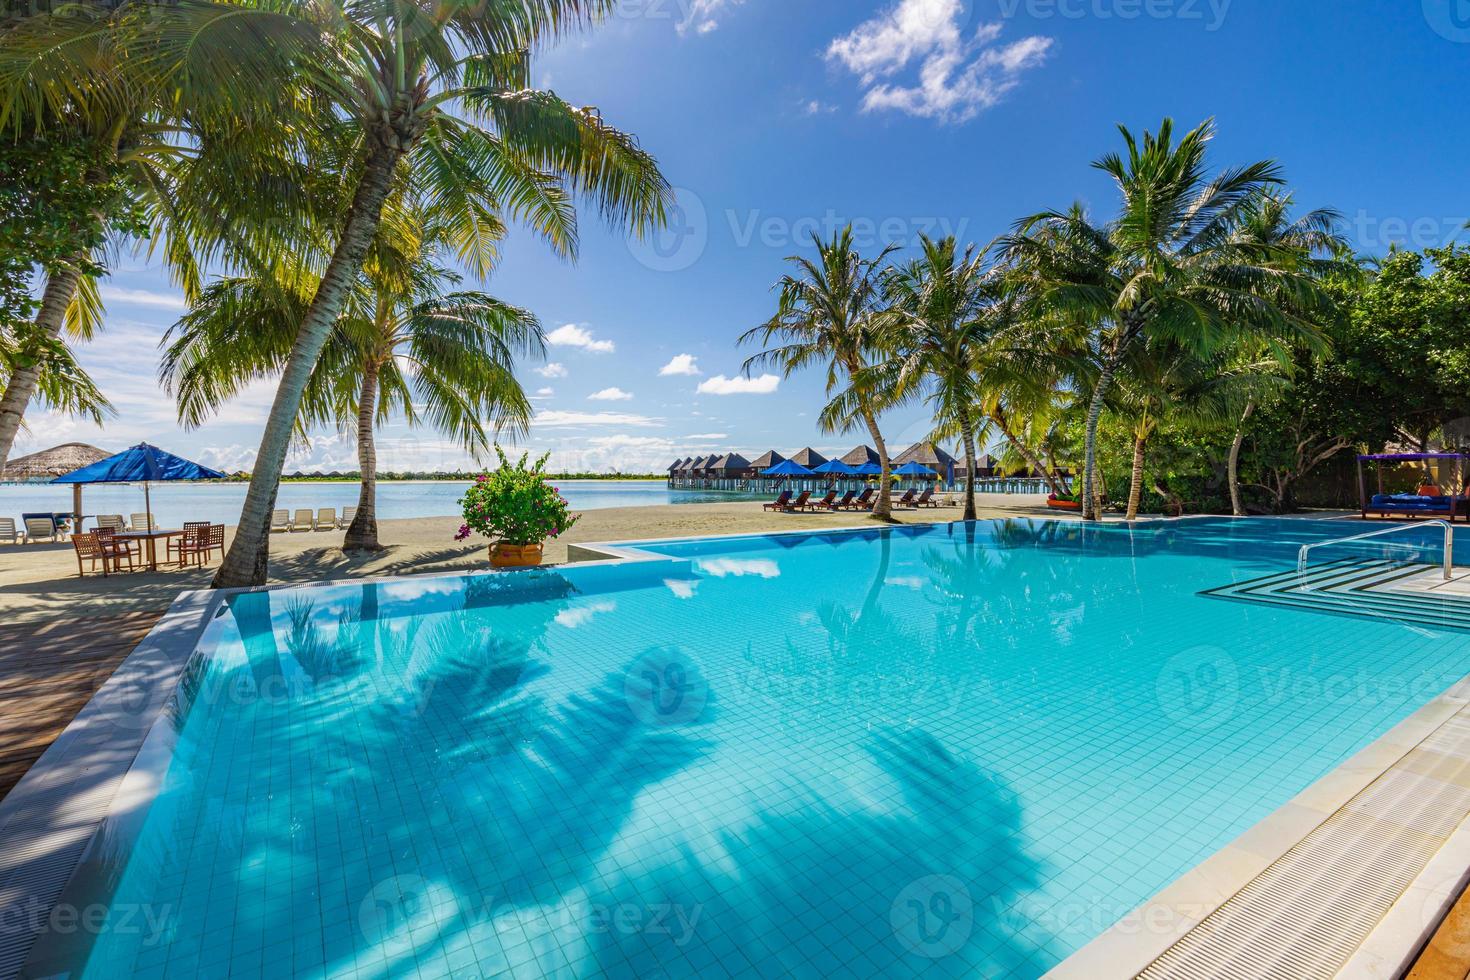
42	871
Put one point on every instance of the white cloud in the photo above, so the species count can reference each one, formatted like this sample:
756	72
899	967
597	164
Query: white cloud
958	75
142	297
708	436
702	17
738	567
613	394
581	615
682	588
552	370
681	364
555	419
816	107
571	335
721	385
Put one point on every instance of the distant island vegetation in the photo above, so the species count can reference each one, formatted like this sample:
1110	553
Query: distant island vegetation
354	477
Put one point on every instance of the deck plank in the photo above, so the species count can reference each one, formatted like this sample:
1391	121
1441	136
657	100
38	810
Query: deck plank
48	672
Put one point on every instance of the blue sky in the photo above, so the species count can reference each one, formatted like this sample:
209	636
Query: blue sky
777	119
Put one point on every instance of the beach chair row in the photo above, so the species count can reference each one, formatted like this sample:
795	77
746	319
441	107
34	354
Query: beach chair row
851	500
305	519
33	530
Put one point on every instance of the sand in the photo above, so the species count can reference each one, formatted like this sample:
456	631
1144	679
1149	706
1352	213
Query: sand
39	583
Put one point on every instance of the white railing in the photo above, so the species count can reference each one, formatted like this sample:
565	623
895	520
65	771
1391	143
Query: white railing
1449	543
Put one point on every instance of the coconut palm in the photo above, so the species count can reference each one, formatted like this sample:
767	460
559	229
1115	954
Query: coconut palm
940	304
439	95
1169	266
831	311
403	345
110	78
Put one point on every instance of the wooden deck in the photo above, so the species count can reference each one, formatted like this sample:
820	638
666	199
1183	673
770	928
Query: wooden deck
48	671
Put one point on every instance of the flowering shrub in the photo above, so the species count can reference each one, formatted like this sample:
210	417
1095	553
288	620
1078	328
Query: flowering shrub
515	504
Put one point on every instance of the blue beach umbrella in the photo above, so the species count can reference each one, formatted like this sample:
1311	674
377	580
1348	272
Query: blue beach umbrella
787	468
835	467
914	469
868	469
143	464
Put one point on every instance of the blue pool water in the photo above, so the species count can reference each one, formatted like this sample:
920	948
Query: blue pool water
962	750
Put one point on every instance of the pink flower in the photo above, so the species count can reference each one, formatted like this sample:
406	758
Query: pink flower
464	532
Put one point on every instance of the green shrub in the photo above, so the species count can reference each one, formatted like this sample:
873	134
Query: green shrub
515	504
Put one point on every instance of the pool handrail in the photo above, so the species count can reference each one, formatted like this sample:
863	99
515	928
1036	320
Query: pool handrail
1449	543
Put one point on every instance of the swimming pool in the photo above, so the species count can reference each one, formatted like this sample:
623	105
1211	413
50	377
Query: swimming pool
953	750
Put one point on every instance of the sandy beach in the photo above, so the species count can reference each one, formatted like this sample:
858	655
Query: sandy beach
39	583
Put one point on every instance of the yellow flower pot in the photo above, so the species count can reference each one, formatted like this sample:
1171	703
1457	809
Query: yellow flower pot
504	555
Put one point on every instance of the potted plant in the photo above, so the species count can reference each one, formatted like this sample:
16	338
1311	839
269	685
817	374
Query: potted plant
518	508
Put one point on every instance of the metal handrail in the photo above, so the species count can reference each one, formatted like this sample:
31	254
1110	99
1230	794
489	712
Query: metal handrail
1449	543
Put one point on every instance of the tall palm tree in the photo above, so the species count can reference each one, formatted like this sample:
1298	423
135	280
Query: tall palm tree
1168	266
438	94
402	346
831	311
936	332
77	74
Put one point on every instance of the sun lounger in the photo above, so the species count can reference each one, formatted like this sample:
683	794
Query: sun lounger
825	503
779	503
348	514
864	501
8	531
142	522
907	500
926	499
280	520
847	498
799	503
40	527
303	519
326	519
113	522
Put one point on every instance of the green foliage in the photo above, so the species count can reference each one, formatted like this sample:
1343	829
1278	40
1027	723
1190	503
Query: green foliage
515	504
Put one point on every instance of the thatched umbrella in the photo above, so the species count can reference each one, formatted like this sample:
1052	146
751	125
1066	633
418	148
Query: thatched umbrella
53	462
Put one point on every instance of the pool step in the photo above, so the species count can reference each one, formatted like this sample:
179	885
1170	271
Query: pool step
1353	588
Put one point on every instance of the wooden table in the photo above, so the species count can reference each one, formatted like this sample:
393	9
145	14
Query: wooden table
150	537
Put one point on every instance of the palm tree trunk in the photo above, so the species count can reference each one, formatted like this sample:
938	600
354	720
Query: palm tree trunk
362	533
1032	460
967	436
1091	511
883	509
1135	486
1233	469
61	288
246	562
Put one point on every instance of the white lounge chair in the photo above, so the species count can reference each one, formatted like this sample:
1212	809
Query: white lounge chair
326	519
8	531
113	522
280	520
40	527
143	522
302	520
348	513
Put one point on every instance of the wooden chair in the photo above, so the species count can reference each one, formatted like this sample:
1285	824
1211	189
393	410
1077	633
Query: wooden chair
303	519
326	519
8	531
194	544
176	545
89	549
107	538
216	540
40	527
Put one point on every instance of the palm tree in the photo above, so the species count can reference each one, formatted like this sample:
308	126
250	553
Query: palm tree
831	312
1169	266
1315	245
438	95
939	324
74	76
402	345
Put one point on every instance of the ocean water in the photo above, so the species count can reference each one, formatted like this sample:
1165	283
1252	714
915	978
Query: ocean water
959	750
220	503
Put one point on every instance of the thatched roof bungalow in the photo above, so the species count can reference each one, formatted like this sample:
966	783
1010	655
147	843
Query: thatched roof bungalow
861	455
766	460
808	457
